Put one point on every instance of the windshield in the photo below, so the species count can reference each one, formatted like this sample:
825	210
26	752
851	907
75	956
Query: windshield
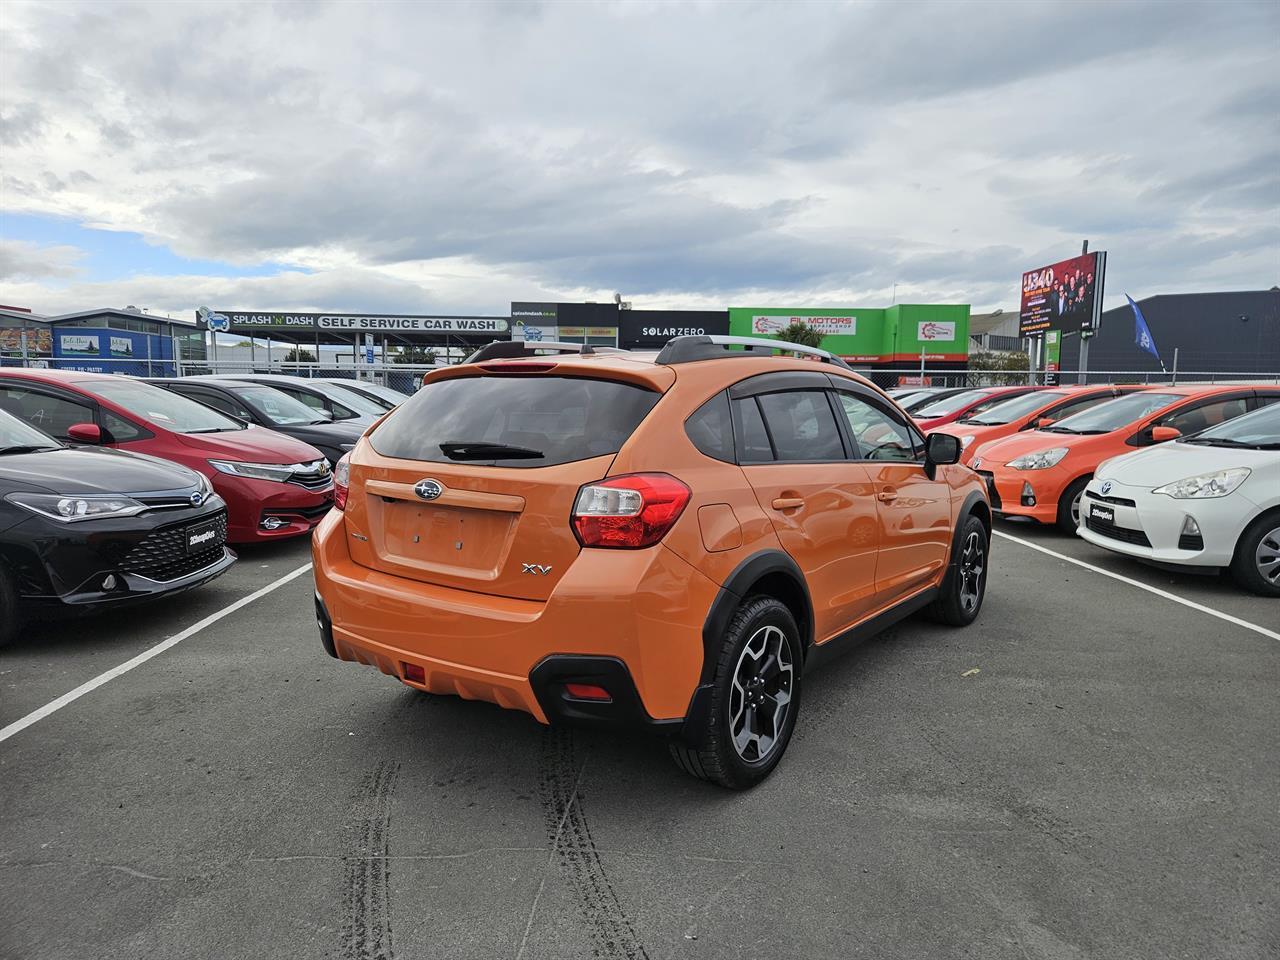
14	434
1258	429
949	405
279	408
1116	413
386	393
165	409
355	396
348	398
1017	408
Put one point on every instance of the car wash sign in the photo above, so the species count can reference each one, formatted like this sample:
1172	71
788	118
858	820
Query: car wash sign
252	322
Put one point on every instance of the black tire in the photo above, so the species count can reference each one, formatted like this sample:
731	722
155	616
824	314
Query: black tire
964	588
1259	543
1067	522
9	622
709	753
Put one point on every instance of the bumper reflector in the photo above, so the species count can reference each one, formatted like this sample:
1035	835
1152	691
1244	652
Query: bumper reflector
413	673
587	691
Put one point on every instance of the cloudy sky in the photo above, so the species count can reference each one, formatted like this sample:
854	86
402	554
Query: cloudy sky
435	158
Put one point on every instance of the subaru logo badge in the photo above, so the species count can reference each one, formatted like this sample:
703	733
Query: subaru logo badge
977	462
428	489
197	498
1106	487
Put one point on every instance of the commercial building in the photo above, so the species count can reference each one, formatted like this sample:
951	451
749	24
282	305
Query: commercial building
100	341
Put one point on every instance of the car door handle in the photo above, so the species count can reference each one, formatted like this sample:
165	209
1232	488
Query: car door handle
788	503
887	496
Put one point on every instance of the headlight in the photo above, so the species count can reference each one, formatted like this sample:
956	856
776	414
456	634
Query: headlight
280	472
1040	460
69	509
1206	486
965	441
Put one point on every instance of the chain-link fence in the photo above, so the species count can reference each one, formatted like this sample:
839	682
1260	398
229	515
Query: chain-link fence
1016	378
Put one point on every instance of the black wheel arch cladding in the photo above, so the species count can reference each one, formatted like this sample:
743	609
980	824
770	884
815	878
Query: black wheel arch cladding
768	571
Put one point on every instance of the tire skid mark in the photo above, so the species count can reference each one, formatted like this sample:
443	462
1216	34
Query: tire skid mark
367	931
612	934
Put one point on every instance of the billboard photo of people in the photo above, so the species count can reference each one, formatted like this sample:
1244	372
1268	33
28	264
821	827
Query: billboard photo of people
1063	296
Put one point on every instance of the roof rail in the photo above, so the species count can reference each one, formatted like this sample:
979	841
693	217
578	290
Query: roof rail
506	349
715	346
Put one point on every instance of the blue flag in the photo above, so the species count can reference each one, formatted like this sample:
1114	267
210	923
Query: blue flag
1141	332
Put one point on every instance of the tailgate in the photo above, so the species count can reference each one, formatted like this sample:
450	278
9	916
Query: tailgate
502	531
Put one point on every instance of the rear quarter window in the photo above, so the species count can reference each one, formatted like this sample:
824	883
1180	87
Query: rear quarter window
561	419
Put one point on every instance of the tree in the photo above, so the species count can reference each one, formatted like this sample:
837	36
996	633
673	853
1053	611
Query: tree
417	355
806	335
997	367
299	355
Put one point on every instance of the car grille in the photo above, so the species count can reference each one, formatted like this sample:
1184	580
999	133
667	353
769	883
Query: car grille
163	554
992	493
1111	531
1191	541
317	476
1118	501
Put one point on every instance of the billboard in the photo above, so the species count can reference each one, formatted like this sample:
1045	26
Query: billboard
1066	295
653	328
78	344
828	325
251	322
38	340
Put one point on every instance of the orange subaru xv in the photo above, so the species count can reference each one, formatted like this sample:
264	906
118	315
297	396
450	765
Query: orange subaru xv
659	542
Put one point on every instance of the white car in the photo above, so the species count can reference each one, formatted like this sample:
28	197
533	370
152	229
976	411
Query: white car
1208	500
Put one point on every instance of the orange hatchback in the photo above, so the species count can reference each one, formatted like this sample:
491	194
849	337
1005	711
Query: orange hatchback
1041	474
658	542
1027	412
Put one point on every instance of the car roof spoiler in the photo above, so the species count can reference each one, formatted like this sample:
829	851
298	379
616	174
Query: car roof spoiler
507	349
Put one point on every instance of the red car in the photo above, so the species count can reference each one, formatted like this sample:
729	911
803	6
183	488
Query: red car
967	404
274	486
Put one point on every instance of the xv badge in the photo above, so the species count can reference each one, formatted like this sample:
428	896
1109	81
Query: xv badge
537	569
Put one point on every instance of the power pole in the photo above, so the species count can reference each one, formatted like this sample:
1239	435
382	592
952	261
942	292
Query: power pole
1084	341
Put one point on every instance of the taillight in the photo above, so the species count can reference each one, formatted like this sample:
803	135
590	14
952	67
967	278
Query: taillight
628	512
341	481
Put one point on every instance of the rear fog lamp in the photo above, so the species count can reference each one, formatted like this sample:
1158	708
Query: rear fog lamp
587	691
413	673
1028	495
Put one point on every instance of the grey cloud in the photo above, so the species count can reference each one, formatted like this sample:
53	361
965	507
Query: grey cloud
20	260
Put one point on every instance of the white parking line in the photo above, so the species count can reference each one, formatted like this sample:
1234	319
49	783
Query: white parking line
1145	586
35	716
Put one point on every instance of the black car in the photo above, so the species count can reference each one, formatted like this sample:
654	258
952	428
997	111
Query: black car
85	528
322	397
270	407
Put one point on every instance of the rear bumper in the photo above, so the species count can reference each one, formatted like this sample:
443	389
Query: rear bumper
631	618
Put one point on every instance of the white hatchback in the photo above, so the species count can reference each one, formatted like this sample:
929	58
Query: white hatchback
1208	500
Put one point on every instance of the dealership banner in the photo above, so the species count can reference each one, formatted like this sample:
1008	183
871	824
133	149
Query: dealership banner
251	322
1066	295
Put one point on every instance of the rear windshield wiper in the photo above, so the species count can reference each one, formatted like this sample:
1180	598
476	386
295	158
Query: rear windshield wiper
29	448
472	450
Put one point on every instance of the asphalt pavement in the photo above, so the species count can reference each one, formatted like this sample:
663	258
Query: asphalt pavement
1091	770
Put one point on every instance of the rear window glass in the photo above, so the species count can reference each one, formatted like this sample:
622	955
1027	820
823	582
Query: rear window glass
516	421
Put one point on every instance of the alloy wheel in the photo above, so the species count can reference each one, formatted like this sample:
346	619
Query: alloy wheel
972	569
1267	557
1075	509
760	697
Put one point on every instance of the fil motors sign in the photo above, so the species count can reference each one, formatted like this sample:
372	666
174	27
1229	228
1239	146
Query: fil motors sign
928	331
251	322
828	326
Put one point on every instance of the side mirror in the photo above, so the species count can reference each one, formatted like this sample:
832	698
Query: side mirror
940	449
1163	434
84	433
1045	422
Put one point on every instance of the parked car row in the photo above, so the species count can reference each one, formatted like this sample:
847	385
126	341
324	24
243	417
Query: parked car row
1047	455
115	489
